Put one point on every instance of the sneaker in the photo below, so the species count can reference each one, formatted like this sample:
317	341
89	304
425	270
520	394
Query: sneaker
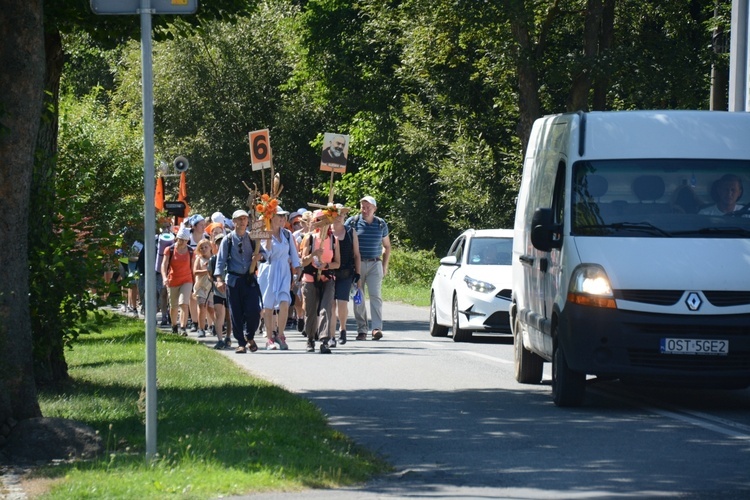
183	332
194	327
271	345
213	330
310	346
220	345
227	341
361	336
342	337
174	329
332	342
164	322
377	334
301	324
282	343
324	348
201	334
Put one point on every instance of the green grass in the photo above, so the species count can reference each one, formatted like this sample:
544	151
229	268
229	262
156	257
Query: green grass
220	430
415	295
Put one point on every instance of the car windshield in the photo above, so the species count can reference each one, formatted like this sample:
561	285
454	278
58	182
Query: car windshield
661	198
491	251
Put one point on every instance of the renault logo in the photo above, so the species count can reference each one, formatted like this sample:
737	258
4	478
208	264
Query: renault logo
693	301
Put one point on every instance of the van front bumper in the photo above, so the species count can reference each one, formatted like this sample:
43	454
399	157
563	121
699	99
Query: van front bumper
626	345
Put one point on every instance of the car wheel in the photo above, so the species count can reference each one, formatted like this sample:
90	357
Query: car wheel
459	335
568	387
435	329
528	366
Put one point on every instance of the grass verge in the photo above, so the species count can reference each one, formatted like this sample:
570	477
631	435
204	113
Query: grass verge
220	431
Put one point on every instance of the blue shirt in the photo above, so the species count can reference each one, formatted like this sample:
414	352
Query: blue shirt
370	235
236	263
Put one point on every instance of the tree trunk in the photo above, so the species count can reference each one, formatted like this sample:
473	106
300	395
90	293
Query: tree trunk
578	97
49	355
22	84
529	106
606	41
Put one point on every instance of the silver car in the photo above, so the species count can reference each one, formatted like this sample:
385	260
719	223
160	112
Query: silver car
471	291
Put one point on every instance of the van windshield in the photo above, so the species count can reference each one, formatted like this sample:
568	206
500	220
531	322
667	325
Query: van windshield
661	198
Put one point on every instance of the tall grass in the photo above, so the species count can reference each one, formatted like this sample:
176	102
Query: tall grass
220	430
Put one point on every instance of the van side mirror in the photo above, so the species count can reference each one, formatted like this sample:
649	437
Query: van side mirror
543	230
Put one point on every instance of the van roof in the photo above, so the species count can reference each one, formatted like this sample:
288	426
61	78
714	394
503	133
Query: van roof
660	134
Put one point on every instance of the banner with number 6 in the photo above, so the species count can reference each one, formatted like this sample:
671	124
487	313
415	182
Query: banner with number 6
260	149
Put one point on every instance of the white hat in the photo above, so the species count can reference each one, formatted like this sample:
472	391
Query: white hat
370	200
239	213
183	234
217	217
281	211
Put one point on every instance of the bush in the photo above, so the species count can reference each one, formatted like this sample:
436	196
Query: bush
415	267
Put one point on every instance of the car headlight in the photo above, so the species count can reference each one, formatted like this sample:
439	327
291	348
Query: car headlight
589	286
479	286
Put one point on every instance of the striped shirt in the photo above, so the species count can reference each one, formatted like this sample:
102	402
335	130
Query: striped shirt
370	235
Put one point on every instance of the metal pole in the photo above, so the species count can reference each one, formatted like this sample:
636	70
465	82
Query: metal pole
149	231
738	57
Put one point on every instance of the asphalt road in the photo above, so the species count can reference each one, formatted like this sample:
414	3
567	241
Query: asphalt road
454	423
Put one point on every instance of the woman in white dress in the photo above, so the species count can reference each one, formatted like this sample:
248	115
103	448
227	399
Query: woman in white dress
275	279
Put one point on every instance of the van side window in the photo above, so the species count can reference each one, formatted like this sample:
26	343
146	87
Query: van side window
558	195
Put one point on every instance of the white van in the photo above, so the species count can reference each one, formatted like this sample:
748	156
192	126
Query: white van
631	251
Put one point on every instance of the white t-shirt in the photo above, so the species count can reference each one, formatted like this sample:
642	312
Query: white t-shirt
714	210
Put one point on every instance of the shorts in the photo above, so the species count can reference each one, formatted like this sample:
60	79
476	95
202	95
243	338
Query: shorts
180	295
343	289
220	301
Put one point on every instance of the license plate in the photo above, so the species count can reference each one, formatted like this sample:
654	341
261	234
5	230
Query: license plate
694	346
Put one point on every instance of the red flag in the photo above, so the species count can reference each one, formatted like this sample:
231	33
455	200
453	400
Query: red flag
159	194
182	196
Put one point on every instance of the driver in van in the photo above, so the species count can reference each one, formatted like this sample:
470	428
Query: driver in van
726	191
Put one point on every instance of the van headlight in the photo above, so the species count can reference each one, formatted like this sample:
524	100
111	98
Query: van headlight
589	286
479	286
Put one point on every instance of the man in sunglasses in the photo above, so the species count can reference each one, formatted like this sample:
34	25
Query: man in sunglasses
232	275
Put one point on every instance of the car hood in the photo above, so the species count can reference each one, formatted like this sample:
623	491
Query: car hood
669	263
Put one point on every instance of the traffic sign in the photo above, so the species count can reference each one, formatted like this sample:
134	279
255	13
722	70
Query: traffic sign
260	149
125	7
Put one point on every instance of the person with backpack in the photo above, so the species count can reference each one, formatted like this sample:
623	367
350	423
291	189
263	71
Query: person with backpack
320	256
177	274
375	251
275	279
232	274
347	274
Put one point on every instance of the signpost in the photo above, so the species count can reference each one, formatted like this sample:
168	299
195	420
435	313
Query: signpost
334	156
146	8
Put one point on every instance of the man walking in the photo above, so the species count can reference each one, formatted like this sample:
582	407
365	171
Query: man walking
375	251
236	254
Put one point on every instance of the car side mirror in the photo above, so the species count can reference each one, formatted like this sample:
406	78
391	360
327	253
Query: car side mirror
543	230
449	261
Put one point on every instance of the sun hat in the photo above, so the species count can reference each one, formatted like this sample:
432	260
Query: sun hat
195	219
218	217
239	213
281	211
370	200
211	227
183	234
